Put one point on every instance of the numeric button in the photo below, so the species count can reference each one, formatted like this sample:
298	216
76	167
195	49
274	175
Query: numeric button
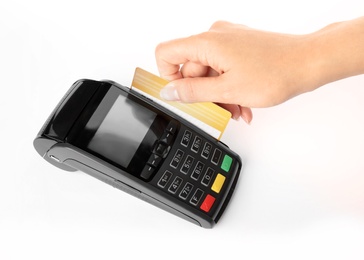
186	191
175	185
196	144
187	164
197	171
165	179
177	158
207	177
206	150
187	135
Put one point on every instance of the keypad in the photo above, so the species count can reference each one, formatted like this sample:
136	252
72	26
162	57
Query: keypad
198	171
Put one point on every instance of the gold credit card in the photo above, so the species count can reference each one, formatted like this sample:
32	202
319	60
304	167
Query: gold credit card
208	116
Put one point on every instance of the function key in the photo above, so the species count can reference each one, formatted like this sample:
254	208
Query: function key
216	156
196	197
161	149
147	172
218	183
207	203
226	163
187	135
196	144
171	127
167	138
154	160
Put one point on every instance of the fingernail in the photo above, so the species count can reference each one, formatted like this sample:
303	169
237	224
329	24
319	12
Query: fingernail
236	117
169	92
248	121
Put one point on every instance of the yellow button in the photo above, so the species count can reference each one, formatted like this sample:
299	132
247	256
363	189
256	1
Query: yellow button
219	181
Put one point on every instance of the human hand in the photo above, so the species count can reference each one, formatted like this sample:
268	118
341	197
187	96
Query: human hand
236	67
239	67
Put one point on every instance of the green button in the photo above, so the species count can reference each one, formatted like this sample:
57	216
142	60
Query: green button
226	163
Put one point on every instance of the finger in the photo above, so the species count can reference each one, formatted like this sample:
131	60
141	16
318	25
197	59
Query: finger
246	114
170	55
192	70
234	110
202	89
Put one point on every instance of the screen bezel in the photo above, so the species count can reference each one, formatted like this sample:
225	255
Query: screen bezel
99	105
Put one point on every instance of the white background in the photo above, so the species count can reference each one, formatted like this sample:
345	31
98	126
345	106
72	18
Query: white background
300	195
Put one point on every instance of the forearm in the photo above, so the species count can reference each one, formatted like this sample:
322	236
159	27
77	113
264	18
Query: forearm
337	52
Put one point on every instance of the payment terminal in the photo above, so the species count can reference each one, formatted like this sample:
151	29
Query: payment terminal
126	140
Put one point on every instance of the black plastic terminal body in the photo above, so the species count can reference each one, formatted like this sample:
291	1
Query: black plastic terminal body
52	144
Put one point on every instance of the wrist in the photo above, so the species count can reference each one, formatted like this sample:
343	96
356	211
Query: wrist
335	52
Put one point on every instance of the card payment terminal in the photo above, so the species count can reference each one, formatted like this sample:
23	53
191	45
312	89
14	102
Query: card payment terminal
134	144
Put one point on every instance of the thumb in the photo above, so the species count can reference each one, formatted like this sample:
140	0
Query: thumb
200	89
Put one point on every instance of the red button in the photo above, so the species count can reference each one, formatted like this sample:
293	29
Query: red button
207	203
